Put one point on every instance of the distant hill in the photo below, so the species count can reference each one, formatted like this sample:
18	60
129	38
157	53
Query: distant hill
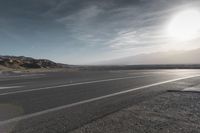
159	58
21	62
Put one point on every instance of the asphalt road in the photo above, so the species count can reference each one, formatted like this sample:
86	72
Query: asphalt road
63	101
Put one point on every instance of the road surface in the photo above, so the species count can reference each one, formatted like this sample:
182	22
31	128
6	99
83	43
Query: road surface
63	101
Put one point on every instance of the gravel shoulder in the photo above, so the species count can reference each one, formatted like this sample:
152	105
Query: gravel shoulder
171	112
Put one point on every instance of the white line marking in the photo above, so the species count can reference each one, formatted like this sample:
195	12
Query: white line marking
11	79
73	84
23	75
9	87
88	101
7	78
195	89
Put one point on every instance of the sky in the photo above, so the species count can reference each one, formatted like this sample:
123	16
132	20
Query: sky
86	31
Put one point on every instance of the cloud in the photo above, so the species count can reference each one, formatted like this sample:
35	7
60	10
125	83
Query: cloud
107	27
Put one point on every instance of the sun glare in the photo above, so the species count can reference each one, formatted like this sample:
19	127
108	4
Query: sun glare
185	25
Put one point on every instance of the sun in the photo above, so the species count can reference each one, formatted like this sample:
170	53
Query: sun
185	25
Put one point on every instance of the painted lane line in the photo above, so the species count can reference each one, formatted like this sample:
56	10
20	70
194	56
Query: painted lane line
21	83
10	79
10	87
192	89
73	84
24	75
88	101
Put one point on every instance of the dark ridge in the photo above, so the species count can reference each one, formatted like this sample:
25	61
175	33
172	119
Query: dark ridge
17	62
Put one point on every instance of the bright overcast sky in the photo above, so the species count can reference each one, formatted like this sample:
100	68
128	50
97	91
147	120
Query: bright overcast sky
82	31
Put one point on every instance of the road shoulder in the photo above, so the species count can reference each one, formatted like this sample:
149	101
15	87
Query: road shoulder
169	112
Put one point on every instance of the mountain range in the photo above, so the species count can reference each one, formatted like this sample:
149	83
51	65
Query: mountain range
159	58
21	62
190	57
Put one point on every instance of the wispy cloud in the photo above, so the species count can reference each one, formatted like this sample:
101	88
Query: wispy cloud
88	30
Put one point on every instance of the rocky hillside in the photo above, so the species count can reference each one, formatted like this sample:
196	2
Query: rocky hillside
20	62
